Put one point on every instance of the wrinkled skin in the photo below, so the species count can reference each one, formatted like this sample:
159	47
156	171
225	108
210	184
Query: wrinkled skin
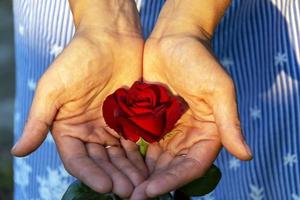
184	62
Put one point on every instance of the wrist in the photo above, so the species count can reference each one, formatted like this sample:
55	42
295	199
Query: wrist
192	17
179	28
119	16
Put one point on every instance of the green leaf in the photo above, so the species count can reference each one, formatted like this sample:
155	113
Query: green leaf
203	185
79	191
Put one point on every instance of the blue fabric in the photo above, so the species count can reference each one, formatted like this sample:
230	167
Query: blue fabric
257	42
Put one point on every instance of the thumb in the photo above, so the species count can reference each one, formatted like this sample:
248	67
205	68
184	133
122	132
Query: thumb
226	116
41	115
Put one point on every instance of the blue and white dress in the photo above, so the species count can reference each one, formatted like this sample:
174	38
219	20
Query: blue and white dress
258	42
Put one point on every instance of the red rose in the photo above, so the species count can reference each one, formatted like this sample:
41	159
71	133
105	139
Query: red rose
144	110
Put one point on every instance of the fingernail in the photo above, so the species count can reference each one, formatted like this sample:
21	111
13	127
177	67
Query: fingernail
248	148
13	148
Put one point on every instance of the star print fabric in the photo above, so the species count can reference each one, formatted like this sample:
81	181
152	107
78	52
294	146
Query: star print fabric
258	44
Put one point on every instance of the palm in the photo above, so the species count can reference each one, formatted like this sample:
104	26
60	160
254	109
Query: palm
186	65
86	74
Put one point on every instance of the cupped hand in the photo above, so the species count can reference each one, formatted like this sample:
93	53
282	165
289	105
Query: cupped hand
68	101
183	61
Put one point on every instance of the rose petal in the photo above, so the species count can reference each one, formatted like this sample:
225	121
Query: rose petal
162	94
173	113
133	133
121	96
154	124
127	130
141	111
121	92
110	111
139	86
142	98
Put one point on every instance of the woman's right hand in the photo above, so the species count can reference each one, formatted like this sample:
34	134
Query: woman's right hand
105	54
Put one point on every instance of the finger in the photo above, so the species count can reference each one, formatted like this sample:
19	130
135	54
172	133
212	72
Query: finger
139	192
41	115
194	165
78	164
226	115
135	157
97	152
153	153
163	161
121	185
172	178
117	157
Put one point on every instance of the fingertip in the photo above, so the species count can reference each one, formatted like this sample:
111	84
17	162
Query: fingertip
247	157
21	151
15	151
233	140
242	155
28	143
152	189
125	191
104	186
228	123
248	154
239	149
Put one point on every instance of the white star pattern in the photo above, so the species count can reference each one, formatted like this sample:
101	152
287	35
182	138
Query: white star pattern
31	84
54	184
227	62
21	29
256	192
290	159
295	196
280	59
56	50
22	174
234	163
255	113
